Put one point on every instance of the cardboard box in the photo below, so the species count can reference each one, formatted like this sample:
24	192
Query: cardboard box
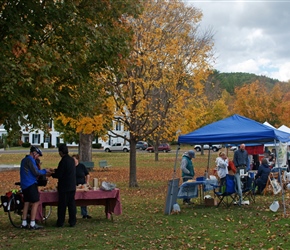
210	202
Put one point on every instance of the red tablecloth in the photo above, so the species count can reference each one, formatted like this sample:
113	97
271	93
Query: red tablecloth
109	199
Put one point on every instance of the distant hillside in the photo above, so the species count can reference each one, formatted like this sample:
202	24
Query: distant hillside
217	82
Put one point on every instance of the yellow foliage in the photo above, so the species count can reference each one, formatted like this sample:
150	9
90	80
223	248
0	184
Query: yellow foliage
94	123
165	71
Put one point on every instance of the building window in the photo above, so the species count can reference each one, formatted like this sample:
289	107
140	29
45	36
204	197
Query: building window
118	126
36	138
47	139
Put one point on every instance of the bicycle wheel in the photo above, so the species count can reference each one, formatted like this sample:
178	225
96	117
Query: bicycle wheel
14	213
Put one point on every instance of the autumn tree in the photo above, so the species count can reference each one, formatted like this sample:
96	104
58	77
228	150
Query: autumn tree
169	60
278	101
87	126
50	53
260	103
250	101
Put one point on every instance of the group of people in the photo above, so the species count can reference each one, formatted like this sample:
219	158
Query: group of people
238	166
70	173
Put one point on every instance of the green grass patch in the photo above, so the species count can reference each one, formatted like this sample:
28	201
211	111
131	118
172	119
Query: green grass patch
143	224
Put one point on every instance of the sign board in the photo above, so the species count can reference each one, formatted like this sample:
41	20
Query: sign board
171	198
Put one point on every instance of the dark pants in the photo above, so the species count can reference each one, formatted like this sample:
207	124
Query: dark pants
84	211
260	184
185	179
66	199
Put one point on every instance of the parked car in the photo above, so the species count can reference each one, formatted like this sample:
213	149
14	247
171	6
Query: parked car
118	146
142	145
162	147
214	148
234	148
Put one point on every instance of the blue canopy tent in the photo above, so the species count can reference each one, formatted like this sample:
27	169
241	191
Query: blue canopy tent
235	129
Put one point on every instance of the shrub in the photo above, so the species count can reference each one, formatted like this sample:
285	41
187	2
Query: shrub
96	145
16	143
58	144
26	144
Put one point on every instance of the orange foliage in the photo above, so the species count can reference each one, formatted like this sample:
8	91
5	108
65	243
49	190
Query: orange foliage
19	49
257	102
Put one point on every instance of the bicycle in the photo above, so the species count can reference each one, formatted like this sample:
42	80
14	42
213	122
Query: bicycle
13	204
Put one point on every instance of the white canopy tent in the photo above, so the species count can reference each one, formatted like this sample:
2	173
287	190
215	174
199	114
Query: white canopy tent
284	129
268	124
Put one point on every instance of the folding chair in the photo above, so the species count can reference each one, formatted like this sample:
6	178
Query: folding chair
227	193
249	189
268	188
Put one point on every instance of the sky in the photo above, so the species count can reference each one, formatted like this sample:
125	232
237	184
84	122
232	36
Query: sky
251	36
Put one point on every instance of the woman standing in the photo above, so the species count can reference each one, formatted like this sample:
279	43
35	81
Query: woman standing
82	177
222	163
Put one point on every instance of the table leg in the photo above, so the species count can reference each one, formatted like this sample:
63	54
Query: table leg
201	193
108	210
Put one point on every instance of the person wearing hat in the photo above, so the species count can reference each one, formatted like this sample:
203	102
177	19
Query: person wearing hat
187	170
29	173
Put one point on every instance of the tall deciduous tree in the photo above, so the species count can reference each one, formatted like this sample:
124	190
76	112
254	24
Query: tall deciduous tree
51	51
169	60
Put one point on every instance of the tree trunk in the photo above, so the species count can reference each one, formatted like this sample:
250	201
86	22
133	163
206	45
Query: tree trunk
133	168
156	153
85	147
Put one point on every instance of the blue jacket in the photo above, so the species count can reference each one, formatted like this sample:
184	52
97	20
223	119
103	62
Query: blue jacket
263	173
29	172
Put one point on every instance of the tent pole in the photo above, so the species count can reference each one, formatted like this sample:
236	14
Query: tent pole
176	156
208	159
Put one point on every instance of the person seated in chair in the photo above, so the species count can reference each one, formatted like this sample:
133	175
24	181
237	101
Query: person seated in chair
262	176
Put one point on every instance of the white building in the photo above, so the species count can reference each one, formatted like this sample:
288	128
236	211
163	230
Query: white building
37	137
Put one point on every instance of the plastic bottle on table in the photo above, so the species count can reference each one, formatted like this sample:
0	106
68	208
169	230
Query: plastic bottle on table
205	175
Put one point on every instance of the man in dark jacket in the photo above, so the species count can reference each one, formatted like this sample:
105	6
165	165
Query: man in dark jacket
262	176
66	175
241	159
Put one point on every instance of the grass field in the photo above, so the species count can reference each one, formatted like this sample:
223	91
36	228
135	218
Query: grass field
143	224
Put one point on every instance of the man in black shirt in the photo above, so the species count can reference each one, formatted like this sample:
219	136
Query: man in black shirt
66	175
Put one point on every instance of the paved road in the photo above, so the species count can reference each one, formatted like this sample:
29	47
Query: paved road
50	150
55	150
